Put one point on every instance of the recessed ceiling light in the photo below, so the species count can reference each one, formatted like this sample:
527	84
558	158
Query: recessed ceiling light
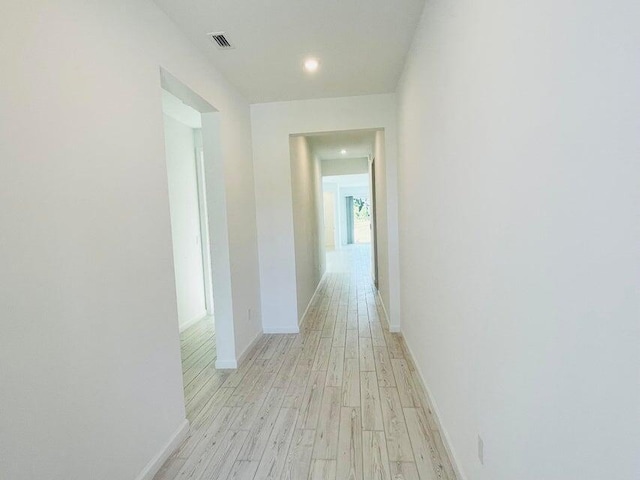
311	65
343	151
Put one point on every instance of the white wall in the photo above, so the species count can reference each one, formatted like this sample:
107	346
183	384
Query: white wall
185	221
89	350
330	223
519	187
308	221
345	166
272	123
385	278
333	190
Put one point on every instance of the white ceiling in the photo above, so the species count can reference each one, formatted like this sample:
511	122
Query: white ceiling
361	44
328	146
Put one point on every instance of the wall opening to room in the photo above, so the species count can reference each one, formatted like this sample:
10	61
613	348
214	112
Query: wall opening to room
348	225
187	204
192	150
333	205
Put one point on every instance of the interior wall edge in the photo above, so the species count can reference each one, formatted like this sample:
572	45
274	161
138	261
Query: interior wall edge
245	352
395	328
192	322
315	293
433	406
174	441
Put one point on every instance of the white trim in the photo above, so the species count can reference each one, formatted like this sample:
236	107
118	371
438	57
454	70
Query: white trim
233	363
253	343
392	328
315	292
436	415
154	465
191	322
295	329
230	364
205	243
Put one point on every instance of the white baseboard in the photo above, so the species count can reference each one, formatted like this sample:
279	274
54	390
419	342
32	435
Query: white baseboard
315	292
191	322
301	320
446	440
253	343
228	364
392	328
293	329
155	464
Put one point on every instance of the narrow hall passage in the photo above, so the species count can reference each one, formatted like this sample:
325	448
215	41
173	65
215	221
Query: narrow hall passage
339	400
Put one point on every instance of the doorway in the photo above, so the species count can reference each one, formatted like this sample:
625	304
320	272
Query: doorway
350	220
190	240
333	206
189	233
358	213
197	211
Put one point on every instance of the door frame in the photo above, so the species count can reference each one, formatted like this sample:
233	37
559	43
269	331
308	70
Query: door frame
374	236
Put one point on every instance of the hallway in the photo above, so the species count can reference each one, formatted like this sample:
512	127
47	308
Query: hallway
340	400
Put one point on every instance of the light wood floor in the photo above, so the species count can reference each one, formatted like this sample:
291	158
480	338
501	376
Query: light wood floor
200	377
340	400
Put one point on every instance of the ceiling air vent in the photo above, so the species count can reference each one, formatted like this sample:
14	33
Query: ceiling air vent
220	40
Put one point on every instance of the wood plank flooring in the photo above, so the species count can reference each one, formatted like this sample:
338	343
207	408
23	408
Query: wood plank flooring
340	400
